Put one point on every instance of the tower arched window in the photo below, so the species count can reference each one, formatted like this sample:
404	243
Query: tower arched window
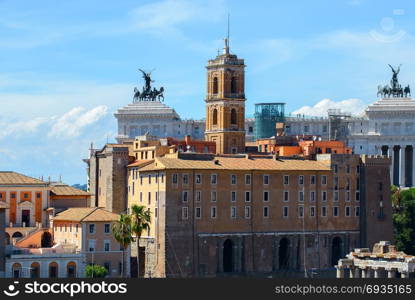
215	117
233	116
215	85
233	85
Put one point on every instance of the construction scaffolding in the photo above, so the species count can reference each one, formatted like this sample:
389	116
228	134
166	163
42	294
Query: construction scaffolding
338	127
266	115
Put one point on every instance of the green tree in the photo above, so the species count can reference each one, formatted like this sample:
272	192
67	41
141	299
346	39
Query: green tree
122	232
141	219
404	222
95	271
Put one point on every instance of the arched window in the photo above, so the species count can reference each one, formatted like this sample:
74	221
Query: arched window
233	85
17	270
35	270
233	116
215	117
215	85
71	270
53	270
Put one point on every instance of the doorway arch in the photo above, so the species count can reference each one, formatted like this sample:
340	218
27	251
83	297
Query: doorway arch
283	254
228	256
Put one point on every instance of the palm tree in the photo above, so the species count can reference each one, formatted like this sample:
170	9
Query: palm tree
396	198
141	219
121	231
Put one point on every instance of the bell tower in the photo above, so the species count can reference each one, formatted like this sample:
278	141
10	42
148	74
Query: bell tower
225	102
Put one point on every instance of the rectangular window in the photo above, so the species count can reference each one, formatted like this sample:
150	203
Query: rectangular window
265	211
198	196
91	228
266	196
76	228
357	196
233	196
286	179
347	184
312	196
38	195
336	183
149	179
185	179
312	211
141	179
347	196
347	211
174	180
323	196
107	246
185	196
335	211
324	179
149	198
213	212
285	211
91	245
247	212
213	196
155	212
247	196
357	169
248	179
198	212
348	169
266	179
185	213
357	211
336	196
301	196
286	196
335	169
324	211
133	189
233	212
141	196
301	179
213	179
233	179
313	179
107	228
198	178
301	211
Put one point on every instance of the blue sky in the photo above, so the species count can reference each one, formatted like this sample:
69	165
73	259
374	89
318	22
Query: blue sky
66	66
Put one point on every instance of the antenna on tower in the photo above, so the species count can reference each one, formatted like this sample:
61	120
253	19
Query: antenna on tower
227	38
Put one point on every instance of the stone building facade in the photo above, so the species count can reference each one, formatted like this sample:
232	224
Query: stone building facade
246	215
387	127
107	173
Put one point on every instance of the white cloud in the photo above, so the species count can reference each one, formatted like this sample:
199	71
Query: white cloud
353	106
21	128
71	123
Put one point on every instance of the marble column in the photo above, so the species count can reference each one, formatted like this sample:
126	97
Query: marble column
402	165
354	272
339	272
404	274
366	272
391	273
378	272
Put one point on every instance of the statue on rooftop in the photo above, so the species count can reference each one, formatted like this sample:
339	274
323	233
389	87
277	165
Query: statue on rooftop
148	93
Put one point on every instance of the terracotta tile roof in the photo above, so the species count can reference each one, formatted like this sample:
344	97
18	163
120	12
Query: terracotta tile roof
66	190
86	214
236	163
139	163
13	178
